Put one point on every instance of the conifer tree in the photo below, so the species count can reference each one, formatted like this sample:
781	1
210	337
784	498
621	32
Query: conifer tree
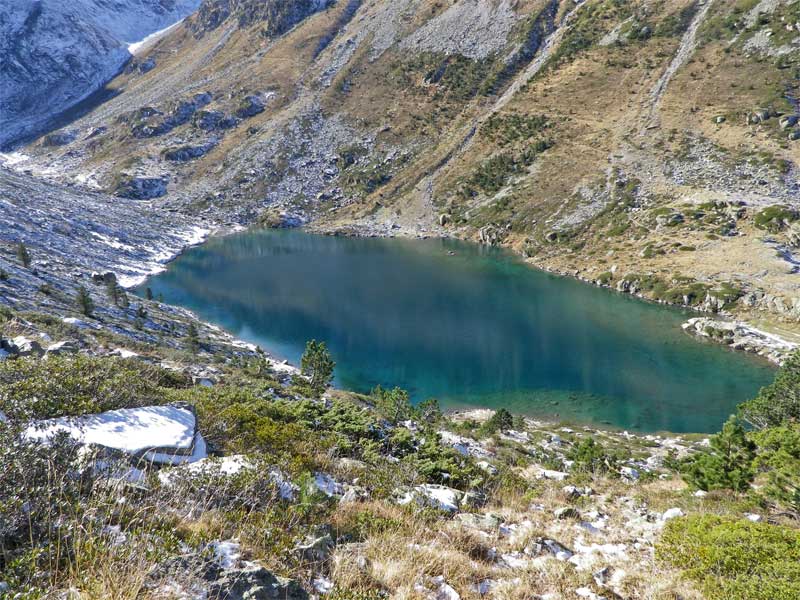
84	301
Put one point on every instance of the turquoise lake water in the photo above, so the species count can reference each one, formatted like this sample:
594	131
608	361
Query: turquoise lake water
474	329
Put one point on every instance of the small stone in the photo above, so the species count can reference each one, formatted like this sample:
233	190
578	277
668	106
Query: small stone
65	347
672	513
629	473
315	549
566	512
752	517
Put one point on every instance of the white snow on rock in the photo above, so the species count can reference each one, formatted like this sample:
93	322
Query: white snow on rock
78	323
752	517
227	465
136	47
548	474
123	353
227	553
463	445
162	434
286	489
322	585
672	513
328	485
63	51
437	496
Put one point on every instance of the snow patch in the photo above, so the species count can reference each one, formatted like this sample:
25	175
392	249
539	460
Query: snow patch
135	47
164	434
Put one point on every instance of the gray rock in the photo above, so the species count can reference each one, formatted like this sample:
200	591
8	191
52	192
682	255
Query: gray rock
487	522
315	549
213	120
27	347
254	582
187	153
473	499
557	549
566	512
250	107
59	138
65	347
573	492
141	188
602	576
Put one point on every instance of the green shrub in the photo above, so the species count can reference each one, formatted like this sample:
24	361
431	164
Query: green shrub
437	463
394	404
605	278
501	420
778	402
591	457
69	386
775	218
728	464
317	364
734	559
779	458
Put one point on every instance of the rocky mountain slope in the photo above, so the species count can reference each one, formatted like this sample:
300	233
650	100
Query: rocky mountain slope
54	54
650	146
647	146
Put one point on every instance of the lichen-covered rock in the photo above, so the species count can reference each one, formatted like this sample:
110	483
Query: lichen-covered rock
59	138
254	582
141	188
250	107
187	153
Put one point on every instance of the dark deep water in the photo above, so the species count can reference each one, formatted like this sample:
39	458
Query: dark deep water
475	329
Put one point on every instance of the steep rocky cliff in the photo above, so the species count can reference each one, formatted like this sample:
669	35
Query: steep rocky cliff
647	146
54	54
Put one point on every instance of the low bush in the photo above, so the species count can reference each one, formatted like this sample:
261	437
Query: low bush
734	559
728	463
75	385
778	402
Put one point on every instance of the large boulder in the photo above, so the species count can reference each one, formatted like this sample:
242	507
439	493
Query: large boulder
250	107
156	434
254	582
27	347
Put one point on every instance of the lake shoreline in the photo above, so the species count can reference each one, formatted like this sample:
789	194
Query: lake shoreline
748	338
213	276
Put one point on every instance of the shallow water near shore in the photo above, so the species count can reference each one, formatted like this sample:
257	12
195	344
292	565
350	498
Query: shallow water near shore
468	325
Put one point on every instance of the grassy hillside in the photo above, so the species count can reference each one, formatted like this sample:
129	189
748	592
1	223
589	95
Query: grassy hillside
354	496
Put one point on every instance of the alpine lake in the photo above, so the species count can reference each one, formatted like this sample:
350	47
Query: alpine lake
468	325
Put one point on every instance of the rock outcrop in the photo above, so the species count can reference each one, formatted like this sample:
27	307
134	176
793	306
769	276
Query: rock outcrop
741	336
54	54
